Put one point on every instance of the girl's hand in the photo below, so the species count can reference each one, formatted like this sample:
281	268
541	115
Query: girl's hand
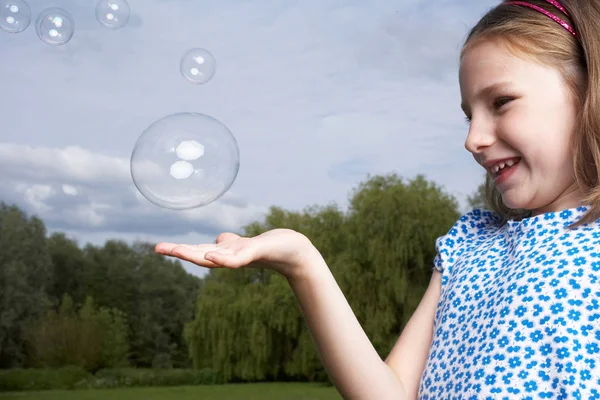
282	250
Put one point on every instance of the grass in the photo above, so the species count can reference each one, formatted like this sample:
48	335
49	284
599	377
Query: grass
258	391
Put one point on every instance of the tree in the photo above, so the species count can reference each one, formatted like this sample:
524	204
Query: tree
479	199
25	266
68	267
248	325
156	294
386	269
44	279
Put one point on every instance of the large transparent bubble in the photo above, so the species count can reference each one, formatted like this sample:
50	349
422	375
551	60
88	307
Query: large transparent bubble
185	161
55	26
15	15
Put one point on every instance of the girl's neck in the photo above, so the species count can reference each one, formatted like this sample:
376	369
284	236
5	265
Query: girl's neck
571	198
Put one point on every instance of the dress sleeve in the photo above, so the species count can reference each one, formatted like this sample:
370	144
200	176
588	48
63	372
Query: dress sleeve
468	227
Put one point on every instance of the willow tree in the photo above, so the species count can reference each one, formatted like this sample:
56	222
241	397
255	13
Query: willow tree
248	325
387	265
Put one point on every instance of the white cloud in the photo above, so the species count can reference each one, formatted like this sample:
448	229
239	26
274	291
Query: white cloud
318	93
72	163
70	190
77	189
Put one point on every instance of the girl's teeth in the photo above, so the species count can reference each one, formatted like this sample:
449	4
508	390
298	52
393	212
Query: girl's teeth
501	165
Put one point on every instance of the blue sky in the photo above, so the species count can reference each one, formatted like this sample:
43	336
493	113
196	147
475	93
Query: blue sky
318	93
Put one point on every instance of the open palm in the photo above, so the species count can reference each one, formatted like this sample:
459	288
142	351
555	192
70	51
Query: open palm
278	249
230	251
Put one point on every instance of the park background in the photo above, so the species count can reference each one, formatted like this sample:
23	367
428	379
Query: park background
348	121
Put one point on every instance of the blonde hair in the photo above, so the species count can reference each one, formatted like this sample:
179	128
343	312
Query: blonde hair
530	34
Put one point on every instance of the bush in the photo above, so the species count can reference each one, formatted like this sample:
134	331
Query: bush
92	337
42	379
78	378
132	377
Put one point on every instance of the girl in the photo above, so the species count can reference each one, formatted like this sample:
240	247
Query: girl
513	303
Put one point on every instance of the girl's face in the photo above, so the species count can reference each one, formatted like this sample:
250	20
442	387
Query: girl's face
522	117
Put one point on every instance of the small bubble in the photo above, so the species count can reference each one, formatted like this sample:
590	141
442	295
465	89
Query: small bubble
15	16
55	26
198	66
112	14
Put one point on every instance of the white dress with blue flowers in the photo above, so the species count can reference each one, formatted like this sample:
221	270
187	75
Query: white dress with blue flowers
519	312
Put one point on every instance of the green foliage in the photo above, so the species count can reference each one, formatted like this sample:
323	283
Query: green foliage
392	227
130	377
73	377
18	379
479	199
24	275
91	338
110	306
68	267
248	325
155	293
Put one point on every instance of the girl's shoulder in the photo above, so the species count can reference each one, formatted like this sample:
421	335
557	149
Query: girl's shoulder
477	224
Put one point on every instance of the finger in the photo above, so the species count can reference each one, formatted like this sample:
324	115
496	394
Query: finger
164	248
193	254
167	248
226	236
230	260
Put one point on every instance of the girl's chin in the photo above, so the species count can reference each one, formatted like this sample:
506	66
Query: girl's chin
514	201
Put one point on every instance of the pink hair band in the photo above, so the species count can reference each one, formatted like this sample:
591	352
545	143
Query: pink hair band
555	3
547	13
558	5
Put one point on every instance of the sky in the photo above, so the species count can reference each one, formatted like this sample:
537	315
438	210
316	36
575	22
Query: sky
318	94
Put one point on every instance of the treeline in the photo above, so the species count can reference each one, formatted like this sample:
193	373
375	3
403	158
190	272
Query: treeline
95	307
120	305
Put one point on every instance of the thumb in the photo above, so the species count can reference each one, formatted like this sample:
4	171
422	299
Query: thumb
226	236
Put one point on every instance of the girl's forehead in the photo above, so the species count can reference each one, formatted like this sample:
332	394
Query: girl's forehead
490	56
488	62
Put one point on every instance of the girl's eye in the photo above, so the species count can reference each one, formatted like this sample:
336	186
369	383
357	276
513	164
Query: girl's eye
500	101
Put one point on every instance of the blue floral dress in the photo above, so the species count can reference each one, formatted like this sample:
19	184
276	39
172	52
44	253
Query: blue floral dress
519	312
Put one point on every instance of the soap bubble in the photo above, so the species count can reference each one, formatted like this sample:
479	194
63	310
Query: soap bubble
112	14
55	26
15	15
184	161
198	66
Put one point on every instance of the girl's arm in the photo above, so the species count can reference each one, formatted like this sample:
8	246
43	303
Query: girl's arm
347	353
352	362
409	355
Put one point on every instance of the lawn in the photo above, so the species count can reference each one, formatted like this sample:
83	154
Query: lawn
258	391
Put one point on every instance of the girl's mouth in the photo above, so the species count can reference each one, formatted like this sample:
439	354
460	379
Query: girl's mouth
503	170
